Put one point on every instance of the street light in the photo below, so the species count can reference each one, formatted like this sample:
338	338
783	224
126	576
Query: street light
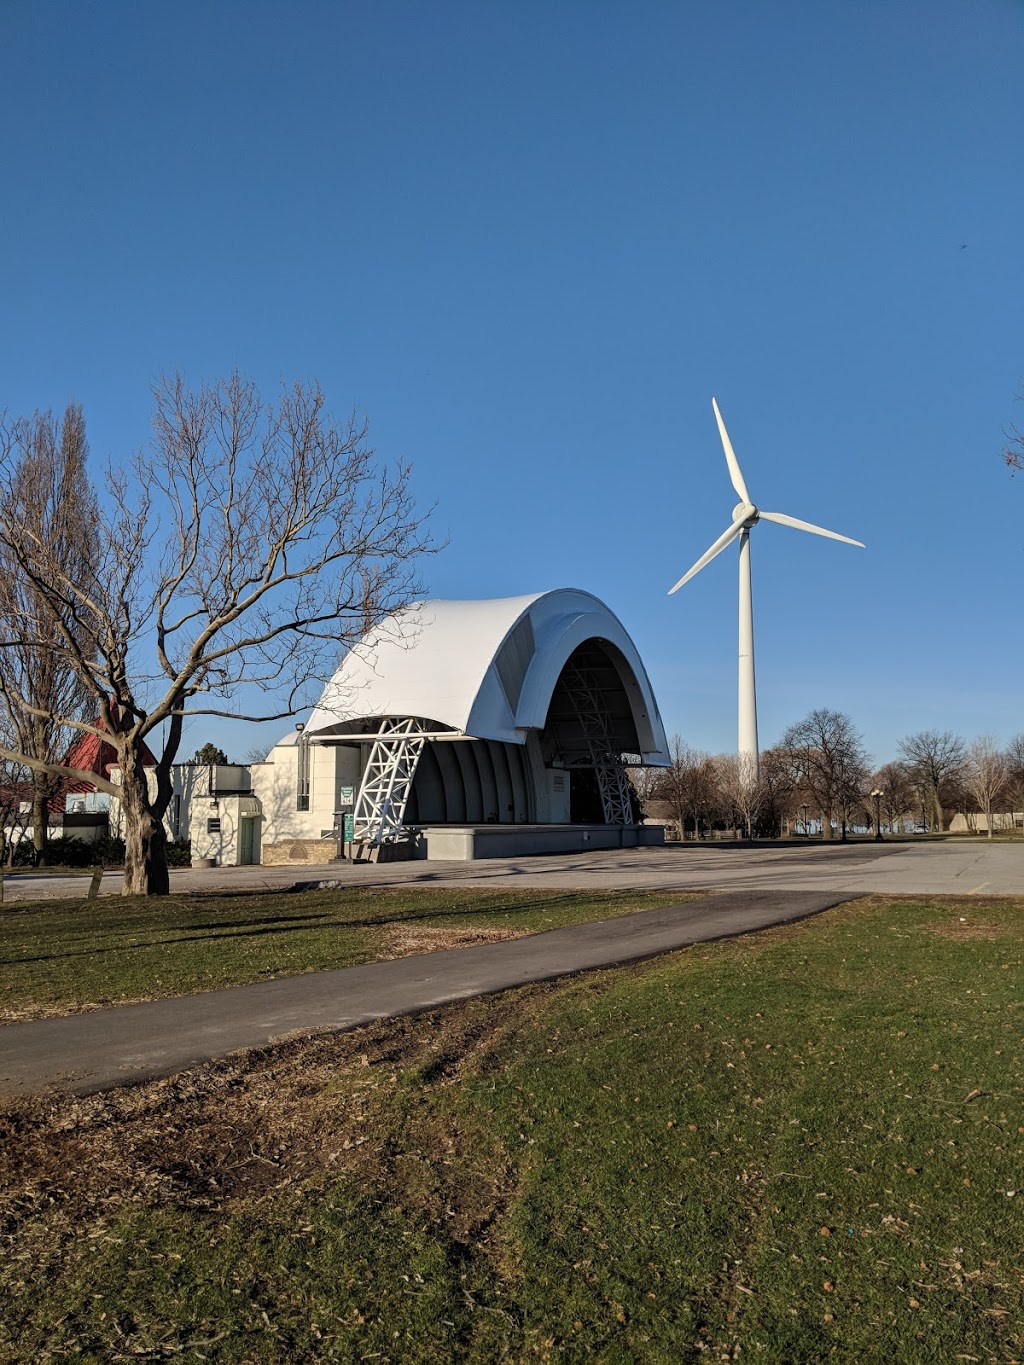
876	796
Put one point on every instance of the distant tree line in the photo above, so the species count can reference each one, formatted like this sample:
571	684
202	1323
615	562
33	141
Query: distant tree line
820	778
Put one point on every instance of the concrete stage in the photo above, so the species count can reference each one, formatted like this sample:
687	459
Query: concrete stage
467	843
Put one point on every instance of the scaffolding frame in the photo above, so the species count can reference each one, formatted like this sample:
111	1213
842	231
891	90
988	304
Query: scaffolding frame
595	720
379	811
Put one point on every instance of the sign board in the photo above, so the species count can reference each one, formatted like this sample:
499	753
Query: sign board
346	796
347	824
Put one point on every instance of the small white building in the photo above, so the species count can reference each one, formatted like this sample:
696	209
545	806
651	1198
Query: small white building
213	805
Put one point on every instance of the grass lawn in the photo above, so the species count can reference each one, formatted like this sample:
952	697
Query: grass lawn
57	957
799	1146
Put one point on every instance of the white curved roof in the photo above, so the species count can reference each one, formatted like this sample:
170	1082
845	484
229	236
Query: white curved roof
483	668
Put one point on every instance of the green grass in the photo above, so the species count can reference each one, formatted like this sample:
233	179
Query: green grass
60	956
800	1146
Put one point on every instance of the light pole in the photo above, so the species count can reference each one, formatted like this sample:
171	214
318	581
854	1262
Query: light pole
803	812
876	796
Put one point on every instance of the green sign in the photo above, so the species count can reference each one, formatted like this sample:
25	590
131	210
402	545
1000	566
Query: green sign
347	823
346	795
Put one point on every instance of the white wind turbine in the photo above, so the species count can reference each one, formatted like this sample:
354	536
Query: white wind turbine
744	516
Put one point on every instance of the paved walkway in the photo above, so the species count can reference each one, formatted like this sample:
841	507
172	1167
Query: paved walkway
89	1052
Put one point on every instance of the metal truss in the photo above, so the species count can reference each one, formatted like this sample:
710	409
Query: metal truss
384	791
586	697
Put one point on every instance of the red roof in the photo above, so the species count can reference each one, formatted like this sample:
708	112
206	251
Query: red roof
94	754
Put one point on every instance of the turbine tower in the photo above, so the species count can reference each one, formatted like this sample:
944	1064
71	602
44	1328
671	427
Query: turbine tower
746	515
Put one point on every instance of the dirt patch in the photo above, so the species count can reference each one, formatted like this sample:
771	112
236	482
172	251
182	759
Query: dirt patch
957	929
403	940
228	1134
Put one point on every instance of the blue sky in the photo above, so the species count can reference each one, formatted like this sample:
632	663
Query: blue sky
530	241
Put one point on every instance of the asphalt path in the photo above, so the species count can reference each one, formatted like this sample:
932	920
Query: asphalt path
947	867
85	1053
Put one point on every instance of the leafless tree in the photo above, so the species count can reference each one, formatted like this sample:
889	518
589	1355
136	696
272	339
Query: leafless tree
237	556
15	807
777	784
688	786
1015	773
50	501
897	788
985	776
1014	452
740	789
933	758
830	761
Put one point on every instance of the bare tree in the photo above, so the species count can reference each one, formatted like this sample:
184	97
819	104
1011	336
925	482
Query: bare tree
237	557
830	761
985	776
688	786
49	501
740	789
1014	452
933	758
776	780
897	788
15	807
1015	774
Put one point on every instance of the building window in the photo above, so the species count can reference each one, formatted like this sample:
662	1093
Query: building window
302	798
177	816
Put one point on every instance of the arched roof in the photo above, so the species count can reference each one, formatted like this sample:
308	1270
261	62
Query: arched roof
487	669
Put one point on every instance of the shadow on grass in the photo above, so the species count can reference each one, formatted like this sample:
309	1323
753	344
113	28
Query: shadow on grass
314	920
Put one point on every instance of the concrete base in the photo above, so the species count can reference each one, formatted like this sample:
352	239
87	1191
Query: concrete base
467	843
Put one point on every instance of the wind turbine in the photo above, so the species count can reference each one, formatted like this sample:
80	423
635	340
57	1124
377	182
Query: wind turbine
745	515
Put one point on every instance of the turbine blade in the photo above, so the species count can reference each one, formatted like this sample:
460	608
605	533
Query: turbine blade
706	558
730	457
798	525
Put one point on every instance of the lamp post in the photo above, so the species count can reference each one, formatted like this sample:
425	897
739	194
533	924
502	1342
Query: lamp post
876	796
803	812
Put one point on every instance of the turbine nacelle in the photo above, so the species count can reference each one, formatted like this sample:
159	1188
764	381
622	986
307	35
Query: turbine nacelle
745	514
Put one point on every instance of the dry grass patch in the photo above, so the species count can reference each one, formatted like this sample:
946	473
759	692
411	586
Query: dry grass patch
408	940
956	930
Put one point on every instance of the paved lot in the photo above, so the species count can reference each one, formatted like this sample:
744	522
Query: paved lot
955	866
89	1052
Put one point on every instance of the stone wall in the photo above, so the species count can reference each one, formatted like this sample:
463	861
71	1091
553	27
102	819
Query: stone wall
299	851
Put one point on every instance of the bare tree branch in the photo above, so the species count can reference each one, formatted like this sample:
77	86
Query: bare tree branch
239	554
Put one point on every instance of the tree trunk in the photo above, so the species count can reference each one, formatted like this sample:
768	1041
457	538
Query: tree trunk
40	817
826	824
145	842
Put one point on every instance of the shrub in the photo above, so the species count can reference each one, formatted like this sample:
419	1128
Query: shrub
179	854
107	851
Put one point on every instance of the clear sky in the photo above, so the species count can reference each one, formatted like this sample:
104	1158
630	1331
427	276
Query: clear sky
530	240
